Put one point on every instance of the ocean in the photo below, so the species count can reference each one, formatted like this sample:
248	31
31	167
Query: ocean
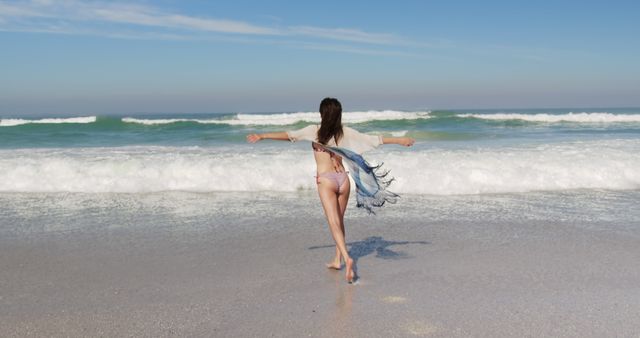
464	152
565	166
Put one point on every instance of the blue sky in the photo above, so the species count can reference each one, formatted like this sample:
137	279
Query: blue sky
70	57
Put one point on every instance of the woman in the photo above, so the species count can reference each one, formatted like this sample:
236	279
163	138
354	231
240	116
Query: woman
332	142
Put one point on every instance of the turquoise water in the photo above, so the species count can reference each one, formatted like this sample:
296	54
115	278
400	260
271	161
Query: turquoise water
440	127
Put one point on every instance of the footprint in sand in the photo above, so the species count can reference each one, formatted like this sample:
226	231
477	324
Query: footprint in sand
419	328
416	328
394	299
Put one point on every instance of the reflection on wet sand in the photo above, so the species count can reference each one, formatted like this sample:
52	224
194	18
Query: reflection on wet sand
339	321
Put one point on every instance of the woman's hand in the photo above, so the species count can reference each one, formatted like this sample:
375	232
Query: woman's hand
253	138
403	141
279	136
406	141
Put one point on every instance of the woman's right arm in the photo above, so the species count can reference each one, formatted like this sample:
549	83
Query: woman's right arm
308	133
280	136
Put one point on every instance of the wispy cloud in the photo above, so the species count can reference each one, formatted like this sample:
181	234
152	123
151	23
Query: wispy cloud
119	13
344	34
122	20
17	10
37	15
145	17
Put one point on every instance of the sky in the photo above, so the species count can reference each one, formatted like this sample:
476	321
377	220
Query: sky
101	57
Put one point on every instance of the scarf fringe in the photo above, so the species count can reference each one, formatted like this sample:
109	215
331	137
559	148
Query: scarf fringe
380	197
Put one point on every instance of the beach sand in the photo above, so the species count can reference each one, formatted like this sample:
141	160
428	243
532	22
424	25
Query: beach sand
135	266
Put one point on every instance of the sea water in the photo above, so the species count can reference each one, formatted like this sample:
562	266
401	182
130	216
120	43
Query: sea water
589	157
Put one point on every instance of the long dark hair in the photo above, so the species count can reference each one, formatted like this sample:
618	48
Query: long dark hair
331	125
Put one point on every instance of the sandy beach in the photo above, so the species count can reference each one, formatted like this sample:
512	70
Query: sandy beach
95	269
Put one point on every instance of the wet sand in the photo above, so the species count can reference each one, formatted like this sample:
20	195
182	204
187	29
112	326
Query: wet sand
261	276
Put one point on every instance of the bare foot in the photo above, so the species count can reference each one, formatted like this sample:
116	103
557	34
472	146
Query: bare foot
335	265
351	275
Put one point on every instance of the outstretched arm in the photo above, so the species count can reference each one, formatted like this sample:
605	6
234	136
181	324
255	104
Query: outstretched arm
405	141
281	136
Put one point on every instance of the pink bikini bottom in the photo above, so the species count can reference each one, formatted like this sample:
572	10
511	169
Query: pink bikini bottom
337	178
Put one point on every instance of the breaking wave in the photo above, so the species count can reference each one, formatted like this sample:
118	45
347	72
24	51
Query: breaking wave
290	118
569	117
17	122
611	164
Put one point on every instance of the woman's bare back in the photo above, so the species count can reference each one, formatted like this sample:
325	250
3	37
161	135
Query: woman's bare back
327	161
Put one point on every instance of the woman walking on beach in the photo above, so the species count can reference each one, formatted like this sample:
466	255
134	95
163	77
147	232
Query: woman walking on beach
332	143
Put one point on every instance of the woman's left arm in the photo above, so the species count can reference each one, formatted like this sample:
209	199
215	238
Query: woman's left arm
404	141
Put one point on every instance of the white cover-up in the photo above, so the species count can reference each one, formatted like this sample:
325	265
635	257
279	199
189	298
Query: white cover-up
371	184
351	138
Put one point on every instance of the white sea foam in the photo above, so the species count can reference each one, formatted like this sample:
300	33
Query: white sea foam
291	118
577	165
17	122
569	117
150	122
611	165
399	133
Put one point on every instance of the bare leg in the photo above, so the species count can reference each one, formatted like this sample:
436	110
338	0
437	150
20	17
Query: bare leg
329	198
336	263
343	199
